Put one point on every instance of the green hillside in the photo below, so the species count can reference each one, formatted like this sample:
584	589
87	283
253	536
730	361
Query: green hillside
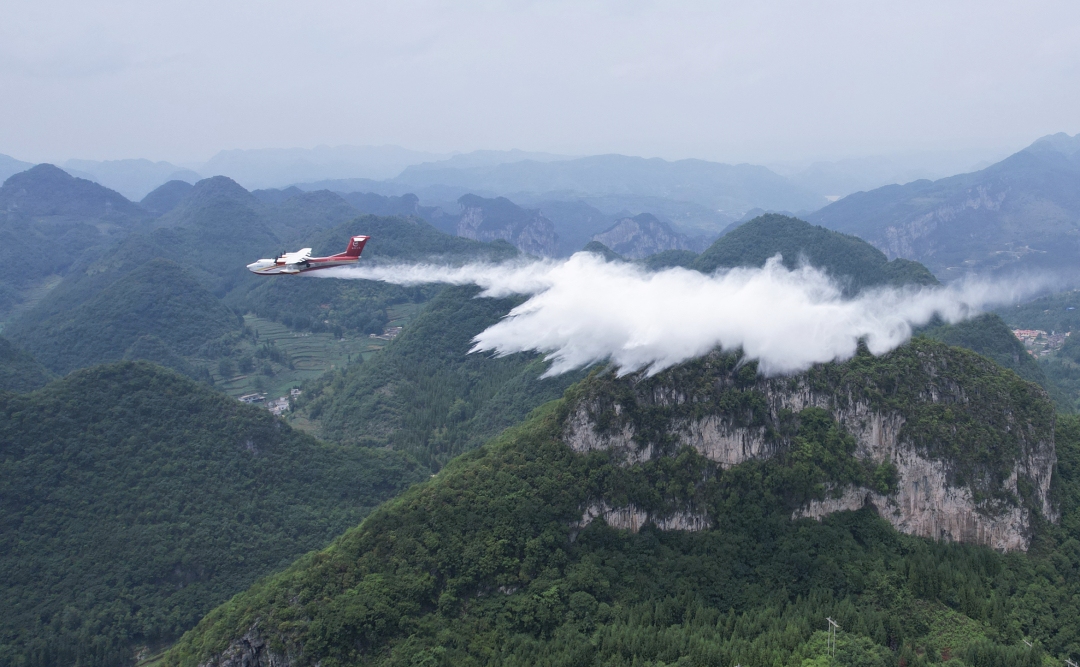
425	394
19	371
484	564
991	337
1020	214
297	218
847	258
670	258
51	222
165	197
158	299
133	500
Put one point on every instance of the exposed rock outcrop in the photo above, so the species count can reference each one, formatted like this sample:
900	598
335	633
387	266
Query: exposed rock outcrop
633	518
490	219
937	495
644	235
251	650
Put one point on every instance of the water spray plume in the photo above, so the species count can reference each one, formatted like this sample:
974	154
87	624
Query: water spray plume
584	310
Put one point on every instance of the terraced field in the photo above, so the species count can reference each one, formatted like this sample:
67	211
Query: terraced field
308	355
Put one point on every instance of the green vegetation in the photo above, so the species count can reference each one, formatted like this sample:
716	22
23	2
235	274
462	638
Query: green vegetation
425	394
1057	312
607	253
51	222
133	500
157	299
1029	228
669	259
19	371
273	358
307	303
484	564
991	337
969	426
846	258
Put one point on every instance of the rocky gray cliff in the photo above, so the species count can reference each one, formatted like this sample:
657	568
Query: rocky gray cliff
971	444
644	235
490	219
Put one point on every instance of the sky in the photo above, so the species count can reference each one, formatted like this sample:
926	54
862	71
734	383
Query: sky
754	82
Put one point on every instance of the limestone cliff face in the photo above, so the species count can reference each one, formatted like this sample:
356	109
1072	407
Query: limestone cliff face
633	518
644	235
938	494
491	219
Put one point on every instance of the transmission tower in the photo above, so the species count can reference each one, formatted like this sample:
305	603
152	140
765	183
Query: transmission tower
833	627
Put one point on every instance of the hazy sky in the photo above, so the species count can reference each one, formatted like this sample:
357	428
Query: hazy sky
748	81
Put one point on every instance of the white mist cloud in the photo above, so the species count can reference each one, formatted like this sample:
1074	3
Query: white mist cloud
584	310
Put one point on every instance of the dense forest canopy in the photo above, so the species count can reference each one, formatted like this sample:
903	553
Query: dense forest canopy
488	564
847	258
133	500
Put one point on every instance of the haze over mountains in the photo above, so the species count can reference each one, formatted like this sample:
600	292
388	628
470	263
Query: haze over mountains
930	221
1020	213
161	283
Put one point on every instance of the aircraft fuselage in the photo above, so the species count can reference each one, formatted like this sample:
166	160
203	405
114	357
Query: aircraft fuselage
291	263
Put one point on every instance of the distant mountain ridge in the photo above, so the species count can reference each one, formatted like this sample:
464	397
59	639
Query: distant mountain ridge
1022	213
132	178
9	166
643	235
712	184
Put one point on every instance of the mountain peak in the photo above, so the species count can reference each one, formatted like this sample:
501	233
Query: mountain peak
1059	143
47	190
165	197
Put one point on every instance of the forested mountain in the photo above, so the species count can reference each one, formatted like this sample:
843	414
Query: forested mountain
45	191
19	371
1021	213
297	218
607	253
847	258
625	524
133	500
158	299
991	337
206	235
50	221
361	305
165	197
425	394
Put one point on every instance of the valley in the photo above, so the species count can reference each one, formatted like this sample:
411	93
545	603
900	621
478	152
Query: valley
420	503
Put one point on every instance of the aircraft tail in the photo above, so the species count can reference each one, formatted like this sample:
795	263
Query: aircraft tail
356	246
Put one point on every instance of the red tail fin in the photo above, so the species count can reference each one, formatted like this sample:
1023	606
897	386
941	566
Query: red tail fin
356	246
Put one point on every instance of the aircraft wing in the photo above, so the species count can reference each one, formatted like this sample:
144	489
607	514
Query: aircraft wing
297	257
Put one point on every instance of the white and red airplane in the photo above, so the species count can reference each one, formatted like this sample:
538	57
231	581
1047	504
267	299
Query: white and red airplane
301	260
